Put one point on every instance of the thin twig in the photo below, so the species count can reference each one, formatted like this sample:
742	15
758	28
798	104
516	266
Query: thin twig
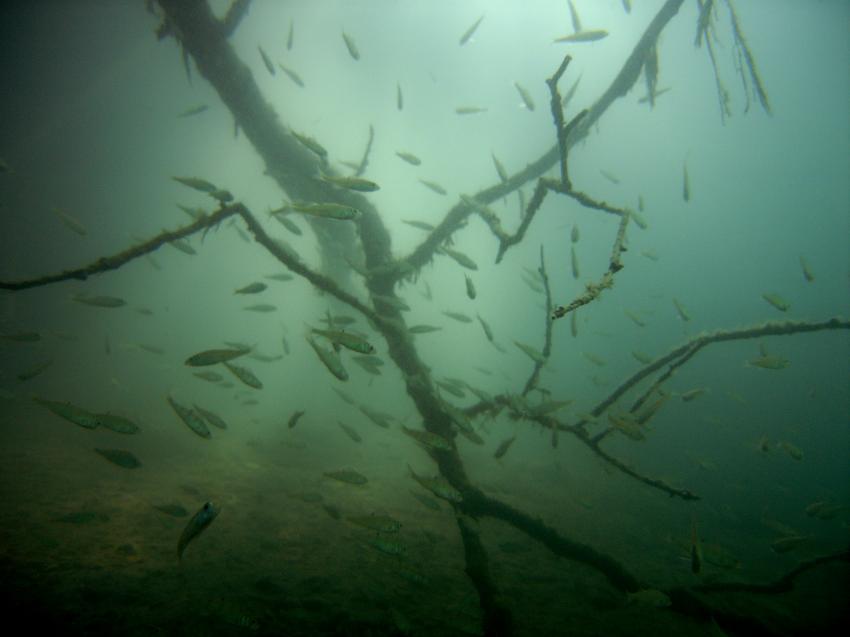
105	264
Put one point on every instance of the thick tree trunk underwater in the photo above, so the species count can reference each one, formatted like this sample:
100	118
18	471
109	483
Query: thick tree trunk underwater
288	162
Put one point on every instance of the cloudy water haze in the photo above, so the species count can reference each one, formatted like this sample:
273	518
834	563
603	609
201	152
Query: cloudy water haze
309	327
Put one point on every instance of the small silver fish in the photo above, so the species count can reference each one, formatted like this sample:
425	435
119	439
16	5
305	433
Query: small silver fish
458	316
245	375
312	145
351	46
470	31
70	222
470	288
190	418
200	521
195	110
681	311
461	259
410	158
503	447
327	210
486	327
434	186
500	169
214	419
350	431
292	75
352	183
470	110
293	419
330	359
99	301
421	225
584	36
214	356
525	95
266	60
196	183
252	288
183	246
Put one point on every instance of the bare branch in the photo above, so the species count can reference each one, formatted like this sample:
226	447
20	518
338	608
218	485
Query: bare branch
497	618
780	585
104	264
681	354
476	503
621	85
289	259
772	328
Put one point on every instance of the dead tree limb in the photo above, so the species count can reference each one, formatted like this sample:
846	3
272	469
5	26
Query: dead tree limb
105	264
771	328
476	504
288	161
621	85
497	618
783	584
286	257
677	357
694	600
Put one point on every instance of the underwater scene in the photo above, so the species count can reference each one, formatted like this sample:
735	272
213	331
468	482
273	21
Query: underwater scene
408	317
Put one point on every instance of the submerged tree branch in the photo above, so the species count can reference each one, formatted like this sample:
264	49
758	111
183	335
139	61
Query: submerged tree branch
288	161
476	503
593	290
677	357
286	257
771	328
621	85
105	264
783	584
497	618
693	601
